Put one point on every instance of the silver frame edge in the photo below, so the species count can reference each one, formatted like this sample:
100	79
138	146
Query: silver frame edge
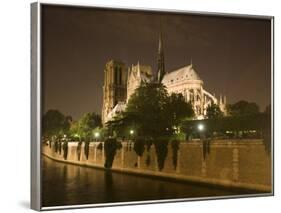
35	160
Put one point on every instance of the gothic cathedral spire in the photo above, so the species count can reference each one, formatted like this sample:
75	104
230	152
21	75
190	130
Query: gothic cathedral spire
160	60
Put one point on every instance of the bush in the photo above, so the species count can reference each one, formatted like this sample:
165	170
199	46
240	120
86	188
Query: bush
78	150
161	147
65	150
87	149
100	146
139	147
110	147
175	144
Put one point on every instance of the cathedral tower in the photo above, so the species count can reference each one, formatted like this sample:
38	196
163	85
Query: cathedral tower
160	60
115	86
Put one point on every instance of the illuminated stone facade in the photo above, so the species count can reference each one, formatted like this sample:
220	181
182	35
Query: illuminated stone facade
121	82
137	74
188	83
115	87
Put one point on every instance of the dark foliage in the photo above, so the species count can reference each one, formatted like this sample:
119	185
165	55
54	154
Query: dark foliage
152	113
110	147
100	146
78	150
139	147
213	111
175	144
87	149
242	108
177	109
161	148
87	124
65	149
230	123
55	123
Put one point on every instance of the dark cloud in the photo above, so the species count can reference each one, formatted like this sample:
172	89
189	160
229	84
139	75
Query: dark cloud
231	55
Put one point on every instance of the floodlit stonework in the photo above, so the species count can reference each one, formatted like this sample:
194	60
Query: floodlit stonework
137	74
188	83
121	82
236	163
115	87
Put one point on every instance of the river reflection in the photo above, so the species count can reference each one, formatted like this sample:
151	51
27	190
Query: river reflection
65	184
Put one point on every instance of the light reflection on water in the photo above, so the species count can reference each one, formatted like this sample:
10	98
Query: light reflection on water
65	184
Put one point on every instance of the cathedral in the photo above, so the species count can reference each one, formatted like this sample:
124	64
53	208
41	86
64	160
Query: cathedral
120	82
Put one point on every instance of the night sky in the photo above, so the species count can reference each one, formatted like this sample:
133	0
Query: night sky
231	55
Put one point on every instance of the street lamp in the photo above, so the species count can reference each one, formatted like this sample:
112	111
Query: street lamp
131	134
97	135
201	127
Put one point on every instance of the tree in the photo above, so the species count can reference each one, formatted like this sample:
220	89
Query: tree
74	130
213	111
242	108
152	114
146	110
87	124
55	123
177	109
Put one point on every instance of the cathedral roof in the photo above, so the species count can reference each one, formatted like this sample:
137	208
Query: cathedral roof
184	73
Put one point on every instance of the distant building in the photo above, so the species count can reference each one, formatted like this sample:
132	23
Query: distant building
115	87
121	82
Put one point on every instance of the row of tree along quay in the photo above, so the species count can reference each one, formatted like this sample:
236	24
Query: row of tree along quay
153	117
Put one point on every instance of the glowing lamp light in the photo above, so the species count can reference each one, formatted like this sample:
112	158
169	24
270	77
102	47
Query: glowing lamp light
131	132
200	127
97	134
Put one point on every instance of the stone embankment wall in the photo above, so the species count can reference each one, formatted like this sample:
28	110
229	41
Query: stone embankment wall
231	163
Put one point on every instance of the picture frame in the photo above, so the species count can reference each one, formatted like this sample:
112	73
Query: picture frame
233	176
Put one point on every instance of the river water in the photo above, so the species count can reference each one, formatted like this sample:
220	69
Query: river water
66	184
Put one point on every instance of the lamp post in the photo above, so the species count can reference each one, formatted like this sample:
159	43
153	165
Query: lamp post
201	129
97	135
131	133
